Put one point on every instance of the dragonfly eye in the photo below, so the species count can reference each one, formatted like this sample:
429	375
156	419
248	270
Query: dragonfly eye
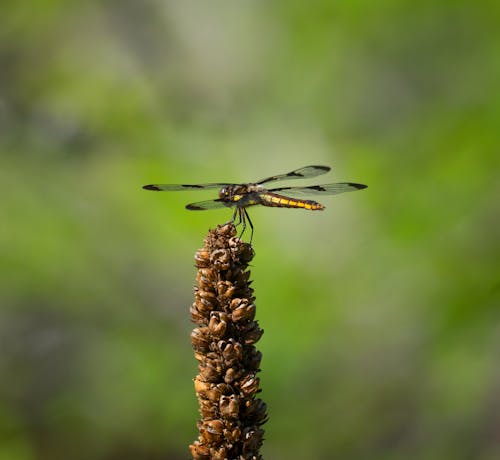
224	192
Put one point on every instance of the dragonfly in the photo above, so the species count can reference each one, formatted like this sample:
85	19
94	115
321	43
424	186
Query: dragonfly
242	196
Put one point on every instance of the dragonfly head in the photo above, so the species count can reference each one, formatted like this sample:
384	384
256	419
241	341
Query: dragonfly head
225	192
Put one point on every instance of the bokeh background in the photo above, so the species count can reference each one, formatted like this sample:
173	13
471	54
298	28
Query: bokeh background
381	314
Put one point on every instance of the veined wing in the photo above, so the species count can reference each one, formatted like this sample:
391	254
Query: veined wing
301	173
180	187
204	205
325	189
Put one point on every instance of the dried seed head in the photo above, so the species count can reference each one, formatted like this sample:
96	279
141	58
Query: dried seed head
223	343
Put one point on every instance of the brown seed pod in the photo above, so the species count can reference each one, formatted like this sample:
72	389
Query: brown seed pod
210	373
229	406
216	391
220	453
205	301
232	351
255	411
249	384
252	358
233	434
252	439
208	296
235	303
202	258
244	312
207	275
200	339
200	386
211	430
197	316
226	289
208	411
221	259
232	374
199	451
218	324
252	333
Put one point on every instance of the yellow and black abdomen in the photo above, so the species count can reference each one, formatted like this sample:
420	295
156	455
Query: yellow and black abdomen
280	201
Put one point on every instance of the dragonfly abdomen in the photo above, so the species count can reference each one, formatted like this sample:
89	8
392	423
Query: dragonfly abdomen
280	201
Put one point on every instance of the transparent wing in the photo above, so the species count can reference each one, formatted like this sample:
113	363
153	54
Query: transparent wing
180	187
301	173
204	205
325	189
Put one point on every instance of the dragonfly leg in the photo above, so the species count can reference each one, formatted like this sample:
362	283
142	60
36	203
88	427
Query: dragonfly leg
234	217
242	220
243	217
249	222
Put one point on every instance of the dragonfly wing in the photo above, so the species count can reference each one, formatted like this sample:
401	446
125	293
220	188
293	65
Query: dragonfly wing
204	205
301	173
180	187
325	189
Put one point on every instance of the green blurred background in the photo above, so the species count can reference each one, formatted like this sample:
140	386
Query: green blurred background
381	314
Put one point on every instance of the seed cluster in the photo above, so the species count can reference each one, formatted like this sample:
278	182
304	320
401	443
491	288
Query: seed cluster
223	342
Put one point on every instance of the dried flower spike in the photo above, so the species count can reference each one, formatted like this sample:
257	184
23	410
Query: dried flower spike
223	343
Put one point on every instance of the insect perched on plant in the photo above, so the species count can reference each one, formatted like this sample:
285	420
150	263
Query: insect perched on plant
242	196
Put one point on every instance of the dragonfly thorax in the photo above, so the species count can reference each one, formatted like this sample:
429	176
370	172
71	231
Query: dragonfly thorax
230	193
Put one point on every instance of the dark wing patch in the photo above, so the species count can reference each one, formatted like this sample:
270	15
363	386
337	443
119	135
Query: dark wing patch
301	173
325	189
180	187
204	205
